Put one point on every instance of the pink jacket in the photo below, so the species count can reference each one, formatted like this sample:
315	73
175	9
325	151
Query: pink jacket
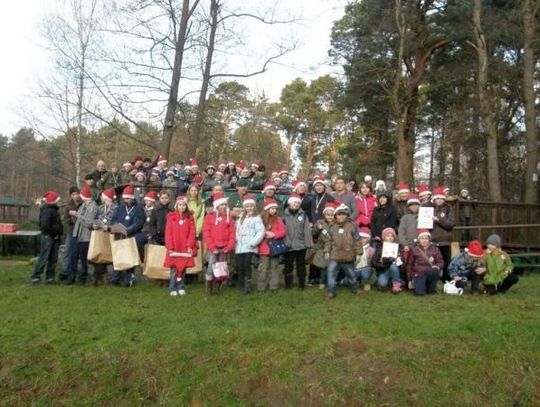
365	211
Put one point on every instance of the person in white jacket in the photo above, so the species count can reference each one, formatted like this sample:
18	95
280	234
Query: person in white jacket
250	232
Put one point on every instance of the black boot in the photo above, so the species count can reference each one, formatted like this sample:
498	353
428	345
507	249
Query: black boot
247	286
288	281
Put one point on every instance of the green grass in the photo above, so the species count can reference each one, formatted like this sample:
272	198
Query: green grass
109	346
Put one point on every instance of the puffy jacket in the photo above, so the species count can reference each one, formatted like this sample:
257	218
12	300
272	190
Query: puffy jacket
463	264
418	265
279	230
442	229
249	234
366	206
179	237
344	242
49	221
499	266
219	232
298	230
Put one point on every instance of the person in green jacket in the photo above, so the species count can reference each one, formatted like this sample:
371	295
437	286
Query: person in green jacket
499	276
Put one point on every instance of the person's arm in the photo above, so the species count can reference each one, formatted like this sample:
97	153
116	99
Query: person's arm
259	234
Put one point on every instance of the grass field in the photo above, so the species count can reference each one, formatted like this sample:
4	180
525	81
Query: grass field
109	346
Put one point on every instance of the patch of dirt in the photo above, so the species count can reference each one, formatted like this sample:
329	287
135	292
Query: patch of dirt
264	391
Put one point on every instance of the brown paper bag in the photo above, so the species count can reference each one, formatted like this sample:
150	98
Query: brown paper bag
153	262
99	250
124	253
197	268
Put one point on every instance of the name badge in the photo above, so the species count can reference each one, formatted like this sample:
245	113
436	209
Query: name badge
324	232
300	219
148	219
341	231
181	222
104	220
442	215
219	219
431	259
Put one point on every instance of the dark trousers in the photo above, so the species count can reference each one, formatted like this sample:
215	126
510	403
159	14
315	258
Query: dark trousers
504	286
426	283
292	257
124	278
48	256
243	266
446	252
83	255
475	280
314	273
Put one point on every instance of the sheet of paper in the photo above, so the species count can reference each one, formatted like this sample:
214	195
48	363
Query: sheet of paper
425	217
390	250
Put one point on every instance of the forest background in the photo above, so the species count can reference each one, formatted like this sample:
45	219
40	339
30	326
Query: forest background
444	92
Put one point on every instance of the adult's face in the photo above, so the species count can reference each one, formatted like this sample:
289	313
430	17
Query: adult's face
340	185
100	166
319	188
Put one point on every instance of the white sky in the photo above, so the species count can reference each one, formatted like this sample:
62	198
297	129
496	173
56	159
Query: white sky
24	59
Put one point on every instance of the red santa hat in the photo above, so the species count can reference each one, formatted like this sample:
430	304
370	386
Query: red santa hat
161	159
138	158
270	203
248	200
297	184
284	170
218	172
256	164
330	206
127	164
423	232
403	187
318	179
413	200
218	198
438	192
364	235
51	198
128	192
241	165
140	173
268	185
86	193
294	198
108	194
193	162
474	248
151	196
423	189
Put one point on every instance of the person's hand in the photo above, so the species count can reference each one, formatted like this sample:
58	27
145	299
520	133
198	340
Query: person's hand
410	284
73	213
270	235
435	218
327	256
320	226
95	226
119	228
406	248
358	258
480	270
104	228
457	278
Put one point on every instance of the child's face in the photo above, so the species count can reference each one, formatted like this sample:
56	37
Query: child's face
250	209
272	211
414	208
363	241
164	199
181	207
388	238
294	205
329	216
491	247
341	217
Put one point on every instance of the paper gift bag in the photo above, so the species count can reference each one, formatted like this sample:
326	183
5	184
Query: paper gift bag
153	262
197	268
99	250
124	253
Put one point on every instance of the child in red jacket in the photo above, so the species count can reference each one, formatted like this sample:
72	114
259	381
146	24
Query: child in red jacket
181	245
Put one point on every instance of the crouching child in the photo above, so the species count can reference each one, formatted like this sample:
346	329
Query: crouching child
499	276
342	249
424	265
468	266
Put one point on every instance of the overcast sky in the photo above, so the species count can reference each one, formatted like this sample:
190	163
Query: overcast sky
24	58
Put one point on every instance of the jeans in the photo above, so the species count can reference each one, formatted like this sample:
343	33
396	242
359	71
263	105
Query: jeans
124	278
391	274
292	257
176	283
426	283
71	255
363	275
48	256
83	255
333	269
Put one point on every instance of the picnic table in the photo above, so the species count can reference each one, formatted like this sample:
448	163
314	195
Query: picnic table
33	233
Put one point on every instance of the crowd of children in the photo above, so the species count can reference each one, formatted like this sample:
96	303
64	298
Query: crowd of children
347	234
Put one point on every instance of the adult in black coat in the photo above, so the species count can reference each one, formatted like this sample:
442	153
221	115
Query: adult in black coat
158	219
384	215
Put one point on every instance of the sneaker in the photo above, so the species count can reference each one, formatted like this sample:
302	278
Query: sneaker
50	281
330	296
181	293
321	286
367	287
173	293
36	280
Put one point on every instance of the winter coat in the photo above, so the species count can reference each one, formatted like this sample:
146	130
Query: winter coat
219	232
158	220
87	213
320	237
344	242
379	263
197	207
366	206
383	217
104	214
180	237
279	230
317	205
408	229
70	220
462	265
499	265
418	265
348	199
298	230
306	205
250	232
135	218
441	233
49	221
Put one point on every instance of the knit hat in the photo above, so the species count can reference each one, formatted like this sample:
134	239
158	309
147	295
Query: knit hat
140	173
294	198
438	192
86	193
380	185
180	199
388	231
474	248
495	240
73	189
150	196
218	198
108	194
220	173
170	172
269	185
342	208
51	198
270	203
127	164
317	179
403	187
413	200
242	182
248	200
230	163
423	189
161	159
423	232
128	192
368	178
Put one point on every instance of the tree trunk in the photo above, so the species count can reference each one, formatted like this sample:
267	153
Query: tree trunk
201	108
486	108
172	103
531	176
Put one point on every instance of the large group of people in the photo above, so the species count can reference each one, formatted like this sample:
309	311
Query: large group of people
329	232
